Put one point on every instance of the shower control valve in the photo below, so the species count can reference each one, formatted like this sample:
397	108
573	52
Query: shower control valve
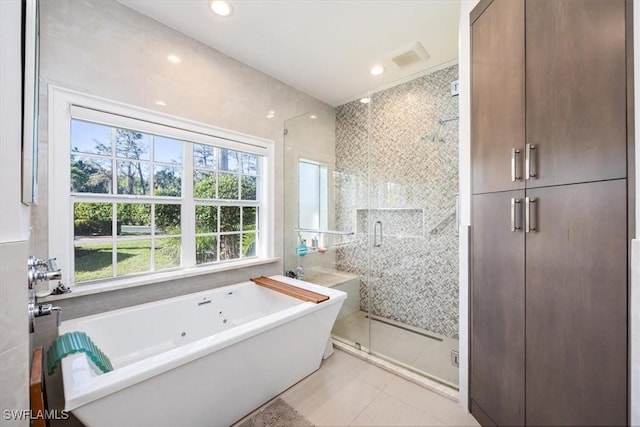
39	270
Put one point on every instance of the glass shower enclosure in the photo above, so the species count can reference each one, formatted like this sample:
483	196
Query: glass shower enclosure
376	216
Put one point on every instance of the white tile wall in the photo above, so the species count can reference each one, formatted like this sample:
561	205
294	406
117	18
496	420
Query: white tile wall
13	295
14	336
14	380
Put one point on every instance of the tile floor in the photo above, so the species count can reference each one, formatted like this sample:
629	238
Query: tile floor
413	350
347	391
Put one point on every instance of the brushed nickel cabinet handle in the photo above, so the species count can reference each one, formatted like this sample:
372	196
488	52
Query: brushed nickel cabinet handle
516	221
529	215
515	174
530	161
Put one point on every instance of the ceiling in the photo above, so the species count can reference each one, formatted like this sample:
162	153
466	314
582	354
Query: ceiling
324	48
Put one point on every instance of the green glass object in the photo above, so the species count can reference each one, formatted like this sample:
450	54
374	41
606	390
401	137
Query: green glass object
76	342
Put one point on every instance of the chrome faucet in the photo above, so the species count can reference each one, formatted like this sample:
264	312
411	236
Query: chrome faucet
40	270
41	310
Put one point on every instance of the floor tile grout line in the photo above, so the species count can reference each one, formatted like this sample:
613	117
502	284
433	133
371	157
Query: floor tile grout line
368	404
434	419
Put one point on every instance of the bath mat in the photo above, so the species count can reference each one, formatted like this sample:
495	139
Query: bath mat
276	414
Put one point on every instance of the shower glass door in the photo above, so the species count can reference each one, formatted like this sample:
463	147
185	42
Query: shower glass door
412	287
371	194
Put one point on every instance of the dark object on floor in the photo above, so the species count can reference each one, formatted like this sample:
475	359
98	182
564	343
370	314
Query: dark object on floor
277	414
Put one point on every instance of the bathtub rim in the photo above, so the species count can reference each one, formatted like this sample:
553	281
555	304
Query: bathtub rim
79	394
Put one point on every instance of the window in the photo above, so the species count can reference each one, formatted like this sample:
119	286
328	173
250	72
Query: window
312	197
225	231
145	197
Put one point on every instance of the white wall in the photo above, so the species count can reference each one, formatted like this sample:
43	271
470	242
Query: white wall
104	48
464	166
14	224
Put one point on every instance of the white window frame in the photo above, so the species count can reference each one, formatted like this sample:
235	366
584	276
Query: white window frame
65	105
322	191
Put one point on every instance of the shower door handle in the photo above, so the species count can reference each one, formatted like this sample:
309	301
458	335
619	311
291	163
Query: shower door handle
457	214
529	161
377	234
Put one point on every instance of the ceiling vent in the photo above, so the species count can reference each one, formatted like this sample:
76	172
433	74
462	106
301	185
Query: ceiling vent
415	54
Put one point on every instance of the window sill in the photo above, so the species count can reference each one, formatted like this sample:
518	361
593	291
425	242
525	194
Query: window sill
125	283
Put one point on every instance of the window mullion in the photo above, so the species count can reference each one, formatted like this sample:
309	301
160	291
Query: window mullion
114	164
241	230
188	210
152	143
219	231
114	245
152	221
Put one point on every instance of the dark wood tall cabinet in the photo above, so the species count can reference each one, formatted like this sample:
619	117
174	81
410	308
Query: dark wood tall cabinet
498	91
551	89
576	90
498	335
576	306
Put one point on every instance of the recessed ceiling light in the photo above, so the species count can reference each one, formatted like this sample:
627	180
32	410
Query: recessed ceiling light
222	8
376	70
313	117
174	59
365	100
161	103
271	114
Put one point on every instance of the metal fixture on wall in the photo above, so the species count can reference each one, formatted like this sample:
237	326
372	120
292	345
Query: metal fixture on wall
433	137
39	270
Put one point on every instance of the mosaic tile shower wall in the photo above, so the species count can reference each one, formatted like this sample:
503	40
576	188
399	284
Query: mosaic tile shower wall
414	181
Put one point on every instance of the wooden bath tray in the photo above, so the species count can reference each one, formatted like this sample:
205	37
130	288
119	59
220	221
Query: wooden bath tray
292	291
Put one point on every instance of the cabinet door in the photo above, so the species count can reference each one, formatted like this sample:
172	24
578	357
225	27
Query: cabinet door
576	305
497	95
576	90
497	311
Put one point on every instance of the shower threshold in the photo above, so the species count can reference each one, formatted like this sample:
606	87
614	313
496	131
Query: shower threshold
420	351
443	388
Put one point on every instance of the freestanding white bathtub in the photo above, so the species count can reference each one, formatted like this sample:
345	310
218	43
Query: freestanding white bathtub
203	359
